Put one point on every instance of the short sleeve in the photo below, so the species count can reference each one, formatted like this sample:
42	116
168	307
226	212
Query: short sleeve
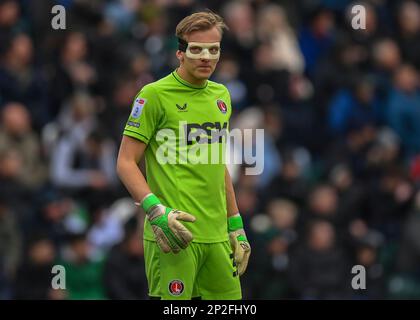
145	117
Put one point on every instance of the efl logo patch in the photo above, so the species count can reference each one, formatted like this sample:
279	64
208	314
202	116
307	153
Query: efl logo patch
176	287
138	107
222	106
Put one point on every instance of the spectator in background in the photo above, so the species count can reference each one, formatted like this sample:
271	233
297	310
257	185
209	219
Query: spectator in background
284	215
289	183
354	109
319	269
267	160
16	133
227	73
317	37
383	154
121	14
246	194
409	253
84	270
88	165
389	198
367	255
156	40
272	134
33	280
299	117
120	104
105	227
275	233
50	218
5	286
338	70
140	69
352	198
404	282
264	81
124	268
77	119
74	72
241	38
83	157
386	57
274	29
10	247
10	18
22	82
409	31
404	109
12	189
353	150
322	204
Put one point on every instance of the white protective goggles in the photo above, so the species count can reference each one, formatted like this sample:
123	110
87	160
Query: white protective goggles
203	50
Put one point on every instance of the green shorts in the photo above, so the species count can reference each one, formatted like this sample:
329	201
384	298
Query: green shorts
205	270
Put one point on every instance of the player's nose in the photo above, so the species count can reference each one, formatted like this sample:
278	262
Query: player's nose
205	62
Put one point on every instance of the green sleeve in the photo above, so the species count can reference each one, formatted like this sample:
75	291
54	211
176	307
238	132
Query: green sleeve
146	115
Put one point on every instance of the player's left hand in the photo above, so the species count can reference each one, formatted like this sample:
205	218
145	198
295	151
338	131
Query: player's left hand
239	243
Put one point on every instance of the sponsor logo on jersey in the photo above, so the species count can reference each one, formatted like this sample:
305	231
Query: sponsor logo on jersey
182	108
138	107
176	287
221	105
208	132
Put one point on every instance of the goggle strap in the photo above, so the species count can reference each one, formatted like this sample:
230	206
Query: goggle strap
182	45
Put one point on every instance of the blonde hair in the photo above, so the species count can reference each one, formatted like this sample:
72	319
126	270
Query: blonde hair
200	21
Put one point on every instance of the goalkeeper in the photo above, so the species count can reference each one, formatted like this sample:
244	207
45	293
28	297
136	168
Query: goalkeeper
194	241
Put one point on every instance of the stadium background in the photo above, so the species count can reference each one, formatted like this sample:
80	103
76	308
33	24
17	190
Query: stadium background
341	113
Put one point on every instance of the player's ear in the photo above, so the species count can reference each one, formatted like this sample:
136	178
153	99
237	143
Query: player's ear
180	55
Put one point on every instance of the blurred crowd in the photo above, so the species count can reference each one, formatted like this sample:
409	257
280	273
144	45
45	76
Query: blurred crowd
341	113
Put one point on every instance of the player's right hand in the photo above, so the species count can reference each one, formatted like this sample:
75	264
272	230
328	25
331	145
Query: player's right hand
170	234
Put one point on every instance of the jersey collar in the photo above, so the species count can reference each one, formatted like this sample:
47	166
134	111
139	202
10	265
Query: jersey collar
186	83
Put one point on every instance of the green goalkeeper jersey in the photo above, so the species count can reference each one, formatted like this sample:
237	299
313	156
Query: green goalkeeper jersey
185	128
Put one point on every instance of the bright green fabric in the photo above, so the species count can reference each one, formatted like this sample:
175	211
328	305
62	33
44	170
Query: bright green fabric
235	223
205	270
149	202
198	189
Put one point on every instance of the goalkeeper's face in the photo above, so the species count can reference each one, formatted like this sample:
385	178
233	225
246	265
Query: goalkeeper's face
200	58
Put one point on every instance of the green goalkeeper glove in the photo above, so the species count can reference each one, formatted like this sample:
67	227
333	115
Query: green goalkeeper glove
239	243
170	234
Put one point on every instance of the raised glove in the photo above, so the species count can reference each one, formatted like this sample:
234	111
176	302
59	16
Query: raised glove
170	234
239	243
